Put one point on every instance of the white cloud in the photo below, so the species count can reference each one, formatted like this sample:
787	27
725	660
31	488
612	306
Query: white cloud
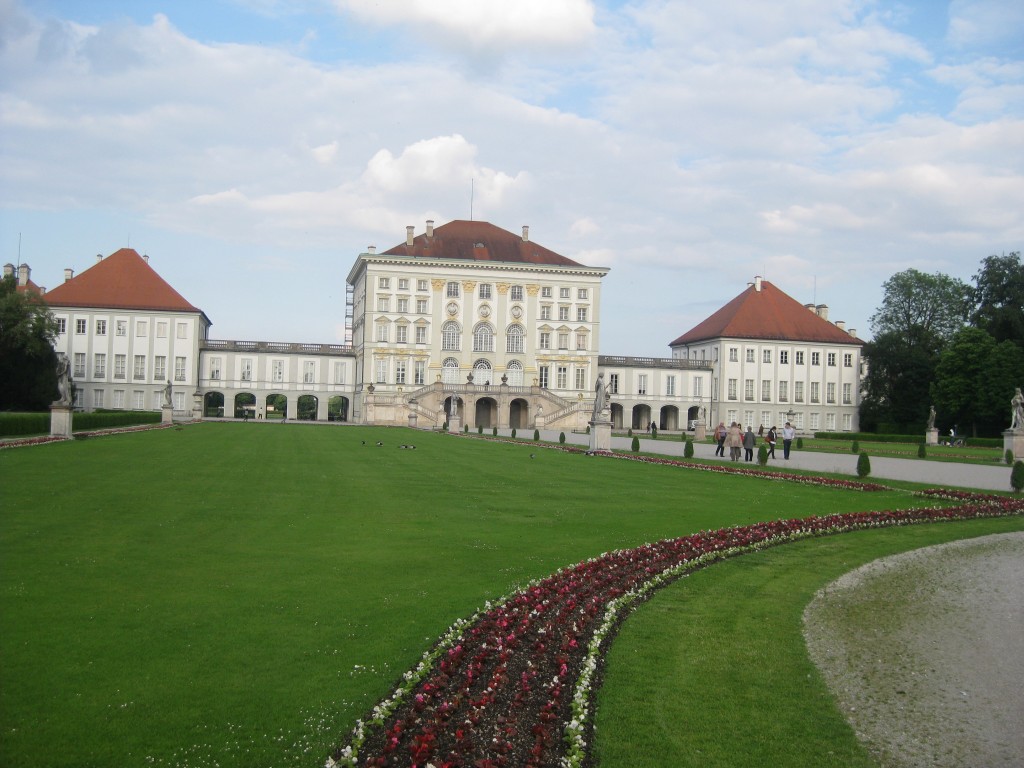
484	25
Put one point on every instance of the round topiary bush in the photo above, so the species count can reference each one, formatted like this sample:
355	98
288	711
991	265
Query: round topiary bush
688	450
561	438
1017	476
636	444
863	464
762	454
922	452
855	448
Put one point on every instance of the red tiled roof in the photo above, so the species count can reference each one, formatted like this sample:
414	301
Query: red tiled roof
766	314
479	241
123	280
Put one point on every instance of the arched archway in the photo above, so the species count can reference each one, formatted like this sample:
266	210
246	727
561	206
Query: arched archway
692	414
460	407
486	412
337	408
616	416
669	418
276	407
213	404
518	414
305	408
641	416
245	405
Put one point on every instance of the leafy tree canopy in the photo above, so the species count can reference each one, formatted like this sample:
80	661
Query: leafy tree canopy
28	378
999	298
924	309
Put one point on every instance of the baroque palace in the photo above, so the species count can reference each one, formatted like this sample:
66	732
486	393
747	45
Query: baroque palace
465	319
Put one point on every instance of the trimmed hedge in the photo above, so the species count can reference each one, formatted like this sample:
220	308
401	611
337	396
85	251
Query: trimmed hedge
18	424
976	442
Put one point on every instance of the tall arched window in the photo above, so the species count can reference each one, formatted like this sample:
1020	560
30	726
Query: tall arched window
483	338
450	371
450	335
514	339
482	372
514	372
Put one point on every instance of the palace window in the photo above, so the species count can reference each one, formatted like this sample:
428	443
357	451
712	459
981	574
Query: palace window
80	327
732	389
783	357
122	330
99	365
514	340
483	338
750	355
101	329
748	389
562	374
277	371
766	355
484	291
670	386
179	368
613	384
120	366
516	293
581	314
847	394
452	291
641	384
421	334
139	367
450	335
734	354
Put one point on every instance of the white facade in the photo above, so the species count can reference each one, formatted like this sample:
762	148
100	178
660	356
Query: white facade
124	359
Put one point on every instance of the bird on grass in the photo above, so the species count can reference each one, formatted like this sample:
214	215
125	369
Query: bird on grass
379	443
532	456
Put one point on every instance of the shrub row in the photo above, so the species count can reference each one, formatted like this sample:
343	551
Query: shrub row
17	424
976	442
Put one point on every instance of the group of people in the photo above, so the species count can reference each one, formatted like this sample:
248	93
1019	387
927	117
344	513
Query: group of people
736	439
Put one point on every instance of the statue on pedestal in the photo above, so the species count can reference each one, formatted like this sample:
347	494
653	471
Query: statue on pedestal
601	403
931	417
167	394
1017	411
64	380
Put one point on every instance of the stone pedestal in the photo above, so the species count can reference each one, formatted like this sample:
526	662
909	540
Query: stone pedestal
700	432
412	421
931	437
454	424
60	420
166	414
600	435
1013	440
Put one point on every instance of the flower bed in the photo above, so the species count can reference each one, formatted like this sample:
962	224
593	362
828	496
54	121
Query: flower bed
513	685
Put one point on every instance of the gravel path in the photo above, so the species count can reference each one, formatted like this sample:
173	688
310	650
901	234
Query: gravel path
924	652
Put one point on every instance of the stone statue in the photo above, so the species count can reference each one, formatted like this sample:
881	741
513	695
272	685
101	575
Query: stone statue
64	380
453	407
931	417
1017	411
167	394
600	398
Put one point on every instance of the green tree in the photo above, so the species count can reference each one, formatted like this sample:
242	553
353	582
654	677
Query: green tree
925	308
998	297
896	387
28	363
956	391
1003	372
863	465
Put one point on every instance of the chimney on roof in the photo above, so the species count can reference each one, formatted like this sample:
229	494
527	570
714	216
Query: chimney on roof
68	274
757	283
526	233
99	257
24	274
8	270
822	311
145	257
409	234
371	249
430	227
853	332
811	307
841	325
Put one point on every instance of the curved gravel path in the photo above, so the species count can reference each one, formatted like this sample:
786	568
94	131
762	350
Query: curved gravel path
924	652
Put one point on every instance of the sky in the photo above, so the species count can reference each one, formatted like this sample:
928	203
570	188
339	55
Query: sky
253	148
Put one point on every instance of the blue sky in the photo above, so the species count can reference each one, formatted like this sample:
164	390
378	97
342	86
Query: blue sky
254	147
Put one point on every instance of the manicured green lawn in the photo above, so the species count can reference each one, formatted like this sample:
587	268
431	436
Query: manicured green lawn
238	594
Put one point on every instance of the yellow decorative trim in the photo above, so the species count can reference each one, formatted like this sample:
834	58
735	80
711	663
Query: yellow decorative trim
532	290
503	288
437	284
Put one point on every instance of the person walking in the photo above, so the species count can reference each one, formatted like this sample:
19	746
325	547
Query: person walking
735	441
788	433
749	440
771	440
720	434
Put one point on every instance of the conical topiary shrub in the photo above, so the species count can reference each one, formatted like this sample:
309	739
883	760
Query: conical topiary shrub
1017	476
636	444
863	464
855	448
688	450
922	452
536	434
561	438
